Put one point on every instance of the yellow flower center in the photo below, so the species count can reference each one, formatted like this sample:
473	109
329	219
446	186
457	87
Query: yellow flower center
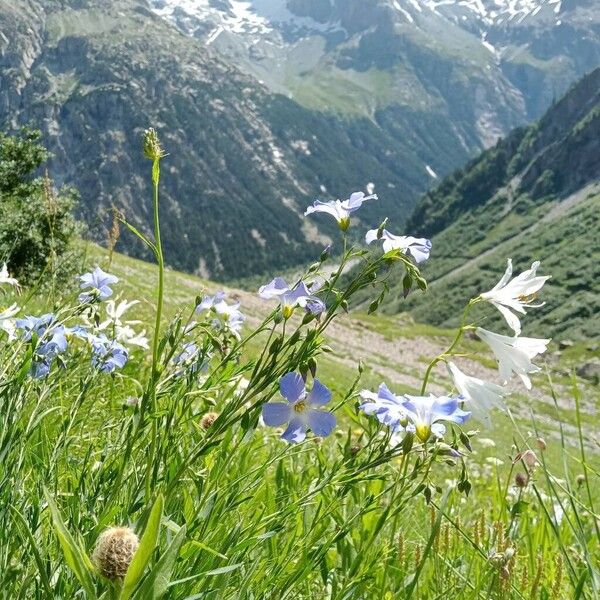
300	406
287	311
344	223
423	432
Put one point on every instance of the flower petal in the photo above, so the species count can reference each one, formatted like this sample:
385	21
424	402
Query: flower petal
320	422
295	432
319	394
291	386
276	413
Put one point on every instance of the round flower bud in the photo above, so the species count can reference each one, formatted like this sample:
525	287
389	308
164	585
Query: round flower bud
208	419
521	480
580	480
541	444
114	551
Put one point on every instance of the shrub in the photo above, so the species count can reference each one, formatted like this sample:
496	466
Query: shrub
37	226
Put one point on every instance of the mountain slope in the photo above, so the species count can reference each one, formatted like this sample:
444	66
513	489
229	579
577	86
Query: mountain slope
243	163
494	63
534	196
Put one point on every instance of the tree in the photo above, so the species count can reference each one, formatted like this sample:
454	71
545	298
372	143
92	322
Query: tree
37	226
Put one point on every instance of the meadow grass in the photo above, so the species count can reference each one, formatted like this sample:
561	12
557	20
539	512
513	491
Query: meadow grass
174	448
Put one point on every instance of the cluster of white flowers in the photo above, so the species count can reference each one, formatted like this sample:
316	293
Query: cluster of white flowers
513	353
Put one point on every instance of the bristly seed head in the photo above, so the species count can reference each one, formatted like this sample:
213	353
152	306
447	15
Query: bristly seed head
152	148
208	419
114	551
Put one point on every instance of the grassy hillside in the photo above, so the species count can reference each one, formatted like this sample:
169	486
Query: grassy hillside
535	196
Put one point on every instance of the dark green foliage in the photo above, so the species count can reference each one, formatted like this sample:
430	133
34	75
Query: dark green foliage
525	199
37	227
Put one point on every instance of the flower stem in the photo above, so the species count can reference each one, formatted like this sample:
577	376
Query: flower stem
161	268
457	338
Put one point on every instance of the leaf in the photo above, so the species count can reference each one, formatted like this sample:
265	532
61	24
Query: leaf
157	582
75	557
222	570
38	559
144	551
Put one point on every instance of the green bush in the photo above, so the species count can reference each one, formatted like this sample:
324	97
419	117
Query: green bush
37	226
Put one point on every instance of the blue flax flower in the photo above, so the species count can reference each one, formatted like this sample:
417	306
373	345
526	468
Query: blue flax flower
426	413
290	298
421	415
97	283
340	210
301	411
229	315
386	406
52	341
108	355
31	326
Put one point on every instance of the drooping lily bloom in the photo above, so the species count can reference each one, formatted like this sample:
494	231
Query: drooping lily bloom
427	413
108	355
386	406
417	248
7	322
97	283
290	298
302	411
514	354
481	396
5	277
340	210
229	315
516	294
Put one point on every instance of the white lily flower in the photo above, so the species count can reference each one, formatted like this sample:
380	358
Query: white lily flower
514	354
123	332
515	294
481	395
7	322
5	278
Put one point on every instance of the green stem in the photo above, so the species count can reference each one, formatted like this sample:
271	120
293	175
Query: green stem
161	268
463	327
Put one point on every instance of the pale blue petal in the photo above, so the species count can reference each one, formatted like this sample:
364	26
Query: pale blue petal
276	413
291	386
320	422
295	433
319	394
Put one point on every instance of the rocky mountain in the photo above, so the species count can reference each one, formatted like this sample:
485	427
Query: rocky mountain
244	161
534	196
265	105
490	63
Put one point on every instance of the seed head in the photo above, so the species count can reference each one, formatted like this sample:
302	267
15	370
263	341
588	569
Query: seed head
152	148
541	443
114	551
208	419
521	480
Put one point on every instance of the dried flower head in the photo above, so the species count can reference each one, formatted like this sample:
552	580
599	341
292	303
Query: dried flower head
521	480
208	419
114	551
580	480
541	443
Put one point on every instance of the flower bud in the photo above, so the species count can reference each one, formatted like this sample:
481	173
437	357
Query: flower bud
541	443
580	480
208	420
114	552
